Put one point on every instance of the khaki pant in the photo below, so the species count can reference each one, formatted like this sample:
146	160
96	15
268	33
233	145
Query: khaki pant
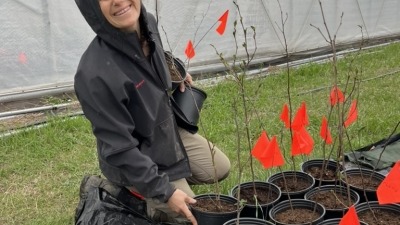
198	151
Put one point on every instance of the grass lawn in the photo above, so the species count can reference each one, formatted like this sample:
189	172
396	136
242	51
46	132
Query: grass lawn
41	169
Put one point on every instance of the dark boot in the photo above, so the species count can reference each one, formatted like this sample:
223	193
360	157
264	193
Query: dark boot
93	181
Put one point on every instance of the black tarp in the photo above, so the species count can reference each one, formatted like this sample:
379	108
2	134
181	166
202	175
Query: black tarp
117	206
380	156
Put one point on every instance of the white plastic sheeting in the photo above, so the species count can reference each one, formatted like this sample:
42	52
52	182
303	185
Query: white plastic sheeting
42	40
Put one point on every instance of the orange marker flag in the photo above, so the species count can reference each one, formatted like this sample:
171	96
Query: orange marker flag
350	218
260	146
388	191
352	115
223	19
324	132
189	51
302	142
300	119
296	144
336	96
272	156
22	58
285	115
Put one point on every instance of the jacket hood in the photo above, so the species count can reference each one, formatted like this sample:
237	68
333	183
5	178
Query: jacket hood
90	9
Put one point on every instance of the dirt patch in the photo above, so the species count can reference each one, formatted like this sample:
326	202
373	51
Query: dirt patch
25	113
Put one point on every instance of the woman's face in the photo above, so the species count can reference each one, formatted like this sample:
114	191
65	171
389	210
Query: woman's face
122	14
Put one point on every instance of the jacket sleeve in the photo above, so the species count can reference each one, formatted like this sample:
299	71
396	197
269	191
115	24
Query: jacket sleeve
118	150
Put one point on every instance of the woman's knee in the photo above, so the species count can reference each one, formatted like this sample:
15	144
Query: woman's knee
223	168
220	170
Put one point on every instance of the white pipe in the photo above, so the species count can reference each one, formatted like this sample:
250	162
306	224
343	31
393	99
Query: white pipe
32	110
34	126
10	97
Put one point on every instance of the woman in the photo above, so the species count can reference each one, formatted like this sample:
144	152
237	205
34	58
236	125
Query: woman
123	85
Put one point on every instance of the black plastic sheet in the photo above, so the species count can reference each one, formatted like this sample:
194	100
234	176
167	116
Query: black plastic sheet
100	208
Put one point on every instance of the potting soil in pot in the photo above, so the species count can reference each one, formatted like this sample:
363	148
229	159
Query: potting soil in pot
209	205
374	213
214	209
382	217
257	198
264	195
318	172
175	74
332	200
176	69
297	211
335	198
247	221
292	184
297	216
363	181
336	221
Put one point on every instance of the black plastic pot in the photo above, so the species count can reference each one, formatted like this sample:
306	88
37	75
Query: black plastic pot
261	209
190	102
336	221
279	180
175	66
318	164
248	221
378	209
209	218
338	190
297	204
370	195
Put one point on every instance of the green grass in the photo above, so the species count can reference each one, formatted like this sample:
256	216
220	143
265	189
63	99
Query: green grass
41	169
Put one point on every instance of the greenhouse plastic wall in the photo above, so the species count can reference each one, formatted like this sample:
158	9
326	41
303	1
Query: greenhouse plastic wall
42	40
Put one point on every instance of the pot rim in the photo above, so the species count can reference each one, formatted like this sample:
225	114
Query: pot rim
274	186
292	173
341	188
226	197
296	202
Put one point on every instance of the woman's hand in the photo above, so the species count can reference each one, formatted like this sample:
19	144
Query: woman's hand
179	201
188	81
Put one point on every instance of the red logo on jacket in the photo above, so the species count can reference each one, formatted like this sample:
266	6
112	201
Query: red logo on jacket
140	84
